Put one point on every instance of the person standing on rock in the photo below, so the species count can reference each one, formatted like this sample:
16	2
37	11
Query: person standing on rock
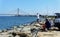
38	17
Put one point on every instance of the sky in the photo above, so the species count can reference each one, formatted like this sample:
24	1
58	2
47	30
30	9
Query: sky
29	6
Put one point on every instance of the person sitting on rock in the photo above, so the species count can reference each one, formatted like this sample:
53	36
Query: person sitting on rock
47	24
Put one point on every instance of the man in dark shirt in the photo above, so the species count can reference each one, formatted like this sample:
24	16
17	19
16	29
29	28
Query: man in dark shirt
47	24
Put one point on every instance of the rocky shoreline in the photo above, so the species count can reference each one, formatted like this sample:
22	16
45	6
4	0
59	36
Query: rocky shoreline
28	30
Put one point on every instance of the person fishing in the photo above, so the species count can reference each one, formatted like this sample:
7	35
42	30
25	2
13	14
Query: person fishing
38	17
47	24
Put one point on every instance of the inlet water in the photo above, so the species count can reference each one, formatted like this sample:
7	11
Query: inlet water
8	21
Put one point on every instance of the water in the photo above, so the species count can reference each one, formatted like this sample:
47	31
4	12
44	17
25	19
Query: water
9	21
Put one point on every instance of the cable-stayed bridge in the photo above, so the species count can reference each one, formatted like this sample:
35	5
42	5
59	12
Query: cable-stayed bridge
17	12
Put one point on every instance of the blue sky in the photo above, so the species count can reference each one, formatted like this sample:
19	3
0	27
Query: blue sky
29	6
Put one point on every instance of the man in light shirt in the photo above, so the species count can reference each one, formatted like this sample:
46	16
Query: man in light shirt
38	17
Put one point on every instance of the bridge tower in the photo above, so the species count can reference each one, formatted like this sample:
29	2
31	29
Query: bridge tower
18	12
